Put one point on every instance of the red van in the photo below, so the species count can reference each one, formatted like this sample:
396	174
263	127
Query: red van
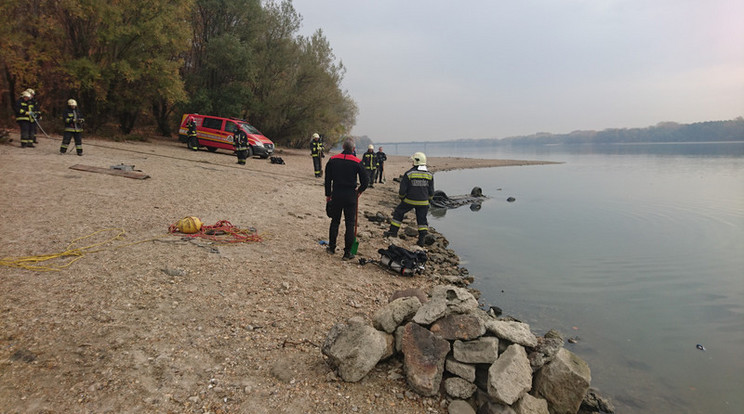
215	132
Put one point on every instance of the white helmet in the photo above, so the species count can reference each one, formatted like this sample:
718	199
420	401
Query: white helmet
315	135
72	102
372	147
31	91
25	94
418	158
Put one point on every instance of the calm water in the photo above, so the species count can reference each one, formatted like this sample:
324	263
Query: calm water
638	250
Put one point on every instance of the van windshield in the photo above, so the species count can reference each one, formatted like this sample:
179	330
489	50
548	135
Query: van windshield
250	128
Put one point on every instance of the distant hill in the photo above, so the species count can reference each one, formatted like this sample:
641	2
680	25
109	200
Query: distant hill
709	131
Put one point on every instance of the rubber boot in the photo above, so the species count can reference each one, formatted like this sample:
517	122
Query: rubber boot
393	232
421	237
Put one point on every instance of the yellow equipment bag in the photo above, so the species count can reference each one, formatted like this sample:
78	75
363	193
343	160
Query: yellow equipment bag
189	225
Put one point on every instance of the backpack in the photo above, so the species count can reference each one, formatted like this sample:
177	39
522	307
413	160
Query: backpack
402	261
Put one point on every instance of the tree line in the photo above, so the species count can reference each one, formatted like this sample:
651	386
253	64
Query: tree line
132	62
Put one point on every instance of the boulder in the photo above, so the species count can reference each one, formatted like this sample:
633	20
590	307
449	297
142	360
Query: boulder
495	408
429	312
484	350
417	292
564	382
460	407
464	371
458	326
457	387
389	317
458	300
531	405
545	351
512	331
354	348
510	377
423	358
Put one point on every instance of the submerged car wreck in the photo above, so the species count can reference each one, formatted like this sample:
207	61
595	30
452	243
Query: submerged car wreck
441	200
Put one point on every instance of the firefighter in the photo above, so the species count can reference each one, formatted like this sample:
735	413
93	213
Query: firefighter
35	114
342	195
193	142
73	127
369	161
416	190
24	119
316	150
381	158
240	141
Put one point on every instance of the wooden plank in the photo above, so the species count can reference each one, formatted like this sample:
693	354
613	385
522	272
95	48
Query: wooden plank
110	171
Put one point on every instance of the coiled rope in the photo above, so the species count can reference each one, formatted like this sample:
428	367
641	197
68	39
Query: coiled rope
221	232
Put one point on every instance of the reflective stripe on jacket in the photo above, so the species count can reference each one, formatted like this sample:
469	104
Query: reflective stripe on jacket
417	187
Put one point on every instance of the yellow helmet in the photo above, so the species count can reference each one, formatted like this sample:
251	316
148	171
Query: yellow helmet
370	147
418	158
72	102
189	225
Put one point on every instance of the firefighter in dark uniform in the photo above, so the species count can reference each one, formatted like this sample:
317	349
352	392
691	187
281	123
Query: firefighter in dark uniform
23	117
240	141
381	158
369	161
342	194
73	127
416	190
193	142
35	108
316	150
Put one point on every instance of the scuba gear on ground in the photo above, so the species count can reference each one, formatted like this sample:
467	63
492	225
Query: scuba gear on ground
402	261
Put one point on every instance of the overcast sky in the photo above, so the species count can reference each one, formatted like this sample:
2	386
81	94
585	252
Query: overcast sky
444	69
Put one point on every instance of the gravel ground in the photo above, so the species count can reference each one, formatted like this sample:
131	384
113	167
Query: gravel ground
150	322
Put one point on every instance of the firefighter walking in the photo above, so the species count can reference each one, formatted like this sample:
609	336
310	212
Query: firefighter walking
193	142
24	117
381	158
316	151
369	161
240	141
416	190
73	127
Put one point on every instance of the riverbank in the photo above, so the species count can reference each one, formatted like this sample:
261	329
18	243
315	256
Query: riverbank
153	323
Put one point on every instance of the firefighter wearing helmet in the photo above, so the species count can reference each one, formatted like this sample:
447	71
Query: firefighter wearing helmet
369	161
316	151
73	127
193	142
34	112
416	191
24	117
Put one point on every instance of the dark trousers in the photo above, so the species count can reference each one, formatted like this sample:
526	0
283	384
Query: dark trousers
67	137
371	175
193	143
345	202
242	155
403	208
316	165
26	137
378	172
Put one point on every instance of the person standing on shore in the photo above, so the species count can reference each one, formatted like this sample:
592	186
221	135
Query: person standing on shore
34	113
193	142
416	190
23	117
369	161
316	151
240	141
381	158
342	195
73	127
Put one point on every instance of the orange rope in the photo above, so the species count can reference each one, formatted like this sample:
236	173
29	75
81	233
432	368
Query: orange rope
222	232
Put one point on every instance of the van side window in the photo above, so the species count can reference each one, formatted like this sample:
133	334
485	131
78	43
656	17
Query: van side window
212	123
231	127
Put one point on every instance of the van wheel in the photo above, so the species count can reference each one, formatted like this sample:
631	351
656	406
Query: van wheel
211	149
249	153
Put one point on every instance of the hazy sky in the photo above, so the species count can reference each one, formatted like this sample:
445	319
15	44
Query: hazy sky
436	69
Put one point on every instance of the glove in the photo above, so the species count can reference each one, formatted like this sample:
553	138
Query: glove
328	199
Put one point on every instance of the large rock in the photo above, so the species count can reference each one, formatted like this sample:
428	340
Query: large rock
423	358
458	300
460	407
564	382
495	408
389	317
462	370
354	348
432	310
544	352
484	350
417	292
510	377
457	387
458	326
512	331
531	405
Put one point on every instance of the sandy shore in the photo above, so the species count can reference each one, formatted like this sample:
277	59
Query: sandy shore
153	323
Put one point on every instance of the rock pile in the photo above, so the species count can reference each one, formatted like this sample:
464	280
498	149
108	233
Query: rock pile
449	345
